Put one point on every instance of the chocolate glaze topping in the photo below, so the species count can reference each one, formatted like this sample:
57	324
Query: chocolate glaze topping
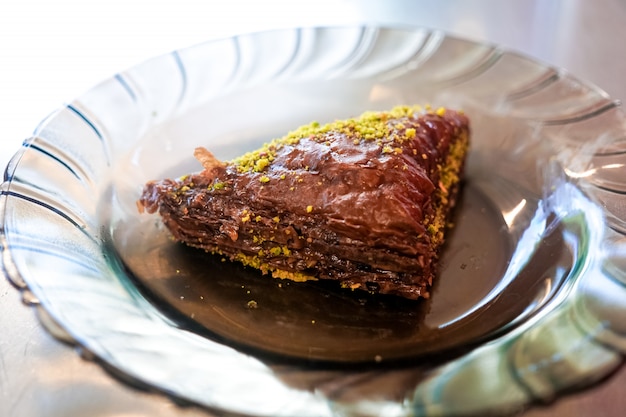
362	201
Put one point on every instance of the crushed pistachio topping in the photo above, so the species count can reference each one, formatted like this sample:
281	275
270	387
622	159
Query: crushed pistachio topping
217	185
369	126
260	164
257	263
448	176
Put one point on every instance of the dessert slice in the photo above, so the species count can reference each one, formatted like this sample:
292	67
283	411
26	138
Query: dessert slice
363	201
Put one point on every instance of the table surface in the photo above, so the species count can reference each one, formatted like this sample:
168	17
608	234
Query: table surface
54	51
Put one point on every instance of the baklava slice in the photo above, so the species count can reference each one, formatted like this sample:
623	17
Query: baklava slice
364	201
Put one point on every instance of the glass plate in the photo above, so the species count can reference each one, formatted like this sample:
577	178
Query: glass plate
531	300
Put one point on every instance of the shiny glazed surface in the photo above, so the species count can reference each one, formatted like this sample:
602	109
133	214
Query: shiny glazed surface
544	175
367	212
